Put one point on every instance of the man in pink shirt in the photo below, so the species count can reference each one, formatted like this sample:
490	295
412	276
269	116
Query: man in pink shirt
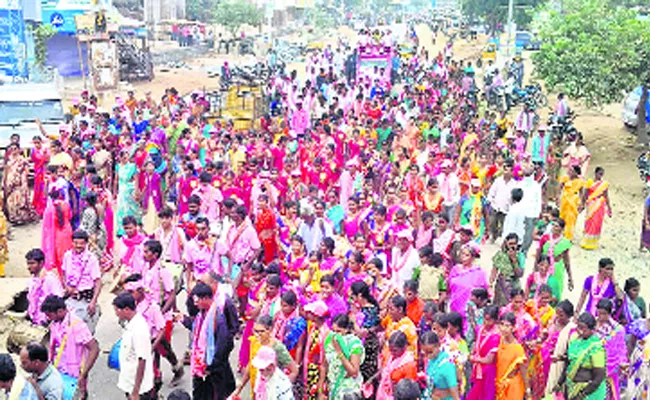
82	280
243	245
200	255
73	350
299	120
211	197
42	284
130	248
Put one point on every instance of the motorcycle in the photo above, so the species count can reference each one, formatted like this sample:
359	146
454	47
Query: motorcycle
497	98
562	126
529	94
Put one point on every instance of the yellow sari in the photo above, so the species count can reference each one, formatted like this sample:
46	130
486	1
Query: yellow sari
569	203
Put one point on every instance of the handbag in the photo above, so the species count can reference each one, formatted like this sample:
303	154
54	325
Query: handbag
114	355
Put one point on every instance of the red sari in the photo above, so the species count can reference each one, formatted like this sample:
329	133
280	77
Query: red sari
266	226
40	158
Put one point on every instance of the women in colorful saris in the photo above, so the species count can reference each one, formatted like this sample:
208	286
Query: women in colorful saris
296	262
612	334
585	374
256	294
526	328
556	247
16	187
355	220
572	186
507	268
483	358
554	348
40	156
473	211
291	329
344	354
56	237
543	314
367	323
316	312
542	275
263	337
634	307
645	226
576	155
638	382
596	202
126	196
267	229
400	365
511	380
442	381
105	200
353	273
463	278
92	222
600	286
151	198
288	224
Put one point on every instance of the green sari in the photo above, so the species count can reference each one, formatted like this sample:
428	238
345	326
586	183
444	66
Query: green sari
585	353
340	383
559	247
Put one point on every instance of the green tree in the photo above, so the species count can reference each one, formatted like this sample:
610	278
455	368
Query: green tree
200	10
232	14
42	33
595	52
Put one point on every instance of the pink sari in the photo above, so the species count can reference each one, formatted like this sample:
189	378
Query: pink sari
484	375
253	301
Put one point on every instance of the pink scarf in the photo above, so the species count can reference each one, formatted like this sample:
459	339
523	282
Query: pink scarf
551	252
131	244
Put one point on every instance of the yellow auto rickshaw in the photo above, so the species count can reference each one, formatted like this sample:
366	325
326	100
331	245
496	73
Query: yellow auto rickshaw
489	53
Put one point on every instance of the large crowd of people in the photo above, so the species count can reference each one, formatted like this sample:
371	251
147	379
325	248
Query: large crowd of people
334	249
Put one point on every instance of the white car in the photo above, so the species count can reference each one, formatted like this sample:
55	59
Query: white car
630	105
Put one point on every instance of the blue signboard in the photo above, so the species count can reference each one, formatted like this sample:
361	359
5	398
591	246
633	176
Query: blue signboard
62	20
12	42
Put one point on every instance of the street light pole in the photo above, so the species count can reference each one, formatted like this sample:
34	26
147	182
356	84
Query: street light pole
511	6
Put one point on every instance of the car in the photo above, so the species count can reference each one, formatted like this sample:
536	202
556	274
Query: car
631	105
22	104
526	40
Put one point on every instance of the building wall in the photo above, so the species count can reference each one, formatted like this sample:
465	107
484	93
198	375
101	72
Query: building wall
159	10
13	49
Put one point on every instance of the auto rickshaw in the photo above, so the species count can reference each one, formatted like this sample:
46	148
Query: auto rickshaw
489	53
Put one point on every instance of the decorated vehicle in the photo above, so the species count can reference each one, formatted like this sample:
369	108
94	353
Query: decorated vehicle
375	62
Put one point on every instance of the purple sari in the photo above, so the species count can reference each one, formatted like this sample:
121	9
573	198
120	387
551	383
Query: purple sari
613	336
461	283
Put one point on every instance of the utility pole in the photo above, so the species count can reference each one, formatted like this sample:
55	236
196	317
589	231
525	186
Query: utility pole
511	6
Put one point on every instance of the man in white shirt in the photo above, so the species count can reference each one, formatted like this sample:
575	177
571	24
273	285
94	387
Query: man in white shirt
136	356
405	259
499	198
313	230
532	204
273	383
514	221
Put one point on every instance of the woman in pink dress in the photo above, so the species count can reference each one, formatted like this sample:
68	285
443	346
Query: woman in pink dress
483	358
464	277
105	198
40	156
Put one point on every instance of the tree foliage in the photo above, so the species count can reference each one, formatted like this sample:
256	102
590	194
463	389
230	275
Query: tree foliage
42	33
595	52
495	12
232	14
200	10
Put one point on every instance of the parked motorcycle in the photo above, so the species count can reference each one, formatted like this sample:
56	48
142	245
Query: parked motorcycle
562	127
529	94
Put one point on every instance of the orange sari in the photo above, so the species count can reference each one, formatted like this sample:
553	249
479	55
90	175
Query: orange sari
510	382
266	226
596	210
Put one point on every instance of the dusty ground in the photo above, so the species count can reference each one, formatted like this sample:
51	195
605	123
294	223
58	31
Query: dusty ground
610	144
